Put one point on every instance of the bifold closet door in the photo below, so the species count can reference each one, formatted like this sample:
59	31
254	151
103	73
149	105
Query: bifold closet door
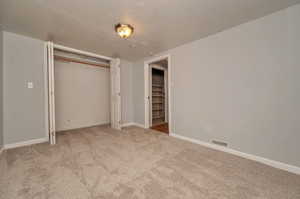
115	94
150	97
51	97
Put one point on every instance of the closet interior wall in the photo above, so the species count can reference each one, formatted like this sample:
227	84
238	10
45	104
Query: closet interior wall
82	91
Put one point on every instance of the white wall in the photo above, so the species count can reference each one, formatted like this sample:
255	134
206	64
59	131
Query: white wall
82	95
240	86
138	92
126	91
1	87
24	109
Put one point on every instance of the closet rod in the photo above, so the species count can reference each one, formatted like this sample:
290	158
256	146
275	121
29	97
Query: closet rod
64	48
67	59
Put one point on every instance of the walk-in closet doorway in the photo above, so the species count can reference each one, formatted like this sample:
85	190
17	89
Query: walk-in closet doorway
157	94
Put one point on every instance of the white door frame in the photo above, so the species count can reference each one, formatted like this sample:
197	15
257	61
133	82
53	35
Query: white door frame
147	90
51	92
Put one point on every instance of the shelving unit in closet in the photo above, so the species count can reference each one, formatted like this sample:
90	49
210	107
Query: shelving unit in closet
158	97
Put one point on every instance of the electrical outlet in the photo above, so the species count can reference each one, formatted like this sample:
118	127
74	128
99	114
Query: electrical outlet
29	84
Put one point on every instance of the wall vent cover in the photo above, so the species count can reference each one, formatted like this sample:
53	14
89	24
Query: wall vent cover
220	143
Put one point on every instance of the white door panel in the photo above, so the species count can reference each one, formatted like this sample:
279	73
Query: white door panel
50	67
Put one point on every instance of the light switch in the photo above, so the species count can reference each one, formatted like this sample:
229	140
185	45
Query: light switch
29	84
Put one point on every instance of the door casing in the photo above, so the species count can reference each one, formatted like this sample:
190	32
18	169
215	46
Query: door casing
147	90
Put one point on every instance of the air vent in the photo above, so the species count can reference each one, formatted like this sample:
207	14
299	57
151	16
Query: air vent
224	144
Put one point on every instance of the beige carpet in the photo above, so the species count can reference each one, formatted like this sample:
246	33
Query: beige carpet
135	163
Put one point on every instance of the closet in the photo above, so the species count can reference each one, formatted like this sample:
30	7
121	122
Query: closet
158	96
57	55
82	91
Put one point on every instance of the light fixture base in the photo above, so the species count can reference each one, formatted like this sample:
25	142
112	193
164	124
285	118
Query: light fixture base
124	30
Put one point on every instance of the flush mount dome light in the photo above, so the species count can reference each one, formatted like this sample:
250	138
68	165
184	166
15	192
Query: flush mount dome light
124	30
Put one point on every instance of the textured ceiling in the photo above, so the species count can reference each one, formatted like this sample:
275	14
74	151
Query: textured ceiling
159	24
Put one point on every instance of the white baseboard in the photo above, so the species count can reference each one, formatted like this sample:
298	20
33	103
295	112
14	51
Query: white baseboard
133	124
25	143
272	163
81	127
127	124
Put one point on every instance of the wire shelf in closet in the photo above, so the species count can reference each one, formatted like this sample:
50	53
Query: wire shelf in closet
157	86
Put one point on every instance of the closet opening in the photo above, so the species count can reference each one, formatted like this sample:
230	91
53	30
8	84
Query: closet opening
83	89
157	103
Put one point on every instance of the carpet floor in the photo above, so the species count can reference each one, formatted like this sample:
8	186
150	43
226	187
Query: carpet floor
102	163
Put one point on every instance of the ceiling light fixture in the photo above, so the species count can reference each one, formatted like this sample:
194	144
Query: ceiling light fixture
124	30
